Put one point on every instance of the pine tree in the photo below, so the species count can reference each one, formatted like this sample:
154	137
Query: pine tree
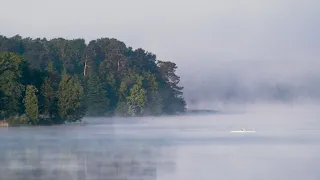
96	96
48	97
122	107
137	99
31	104
50	67
2	106
70	99
171	91
154	104
123	92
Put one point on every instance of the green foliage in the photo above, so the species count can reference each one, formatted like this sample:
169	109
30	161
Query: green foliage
117	80
31	104
49	100
173	101
11	87
50	67
18	120
70	97
122	109
137	99
123	92
154	103
96	99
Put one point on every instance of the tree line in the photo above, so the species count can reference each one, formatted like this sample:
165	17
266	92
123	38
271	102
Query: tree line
55	81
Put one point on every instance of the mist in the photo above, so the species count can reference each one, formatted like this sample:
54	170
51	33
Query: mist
170	148
226	51
255	62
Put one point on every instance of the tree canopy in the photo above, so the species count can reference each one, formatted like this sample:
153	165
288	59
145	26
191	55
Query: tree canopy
63	80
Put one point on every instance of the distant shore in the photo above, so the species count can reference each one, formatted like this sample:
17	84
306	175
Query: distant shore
201	111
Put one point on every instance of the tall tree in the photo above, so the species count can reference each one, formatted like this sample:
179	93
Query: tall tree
2	106
137	98
171	91
154	104
96	96
123	91
48	98
10	83
31	104
122	107
70	99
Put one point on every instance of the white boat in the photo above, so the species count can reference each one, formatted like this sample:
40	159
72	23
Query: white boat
242	131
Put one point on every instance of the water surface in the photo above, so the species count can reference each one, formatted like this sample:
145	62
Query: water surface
286	145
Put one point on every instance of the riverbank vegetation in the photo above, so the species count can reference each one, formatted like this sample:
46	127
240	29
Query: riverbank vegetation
55	81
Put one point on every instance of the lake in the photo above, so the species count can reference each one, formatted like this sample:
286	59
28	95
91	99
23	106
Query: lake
286	145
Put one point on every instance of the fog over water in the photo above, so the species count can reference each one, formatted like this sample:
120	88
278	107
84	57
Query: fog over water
286	145
256	62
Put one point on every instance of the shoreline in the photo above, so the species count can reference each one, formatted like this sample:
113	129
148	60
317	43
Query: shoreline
4	123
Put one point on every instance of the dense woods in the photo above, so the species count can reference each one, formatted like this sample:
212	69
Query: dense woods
55	81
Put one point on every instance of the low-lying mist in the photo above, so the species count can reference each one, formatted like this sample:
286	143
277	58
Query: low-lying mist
248	82
185	147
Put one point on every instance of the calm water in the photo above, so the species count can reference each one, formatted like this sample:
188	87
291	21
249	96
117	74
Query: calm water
286	145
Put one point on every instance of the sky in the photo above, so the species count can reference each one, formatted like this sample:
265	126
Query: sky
217	44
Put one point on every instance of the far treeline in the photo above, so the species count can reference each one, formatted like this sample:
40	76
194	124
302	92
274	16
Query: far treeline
55	81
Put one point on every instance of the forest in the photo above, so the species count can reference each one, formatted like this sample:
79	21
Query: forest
59	80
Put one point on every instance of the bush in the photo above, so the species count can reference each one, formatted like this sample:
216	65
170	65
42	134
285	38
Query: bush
122	109
18	120
45	121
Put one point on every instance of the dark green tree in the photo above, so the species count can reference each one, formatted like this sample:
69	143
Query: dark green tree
70	99
154	104
122	107
48	107
31	104
11	87
173	100
96	99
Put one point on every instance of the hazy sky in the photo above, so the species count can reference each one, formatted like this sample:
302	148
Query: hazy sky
249	40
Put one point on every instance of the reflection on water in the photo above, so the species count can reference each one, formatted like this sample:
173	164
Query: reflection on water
286	146
45	154
34	164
